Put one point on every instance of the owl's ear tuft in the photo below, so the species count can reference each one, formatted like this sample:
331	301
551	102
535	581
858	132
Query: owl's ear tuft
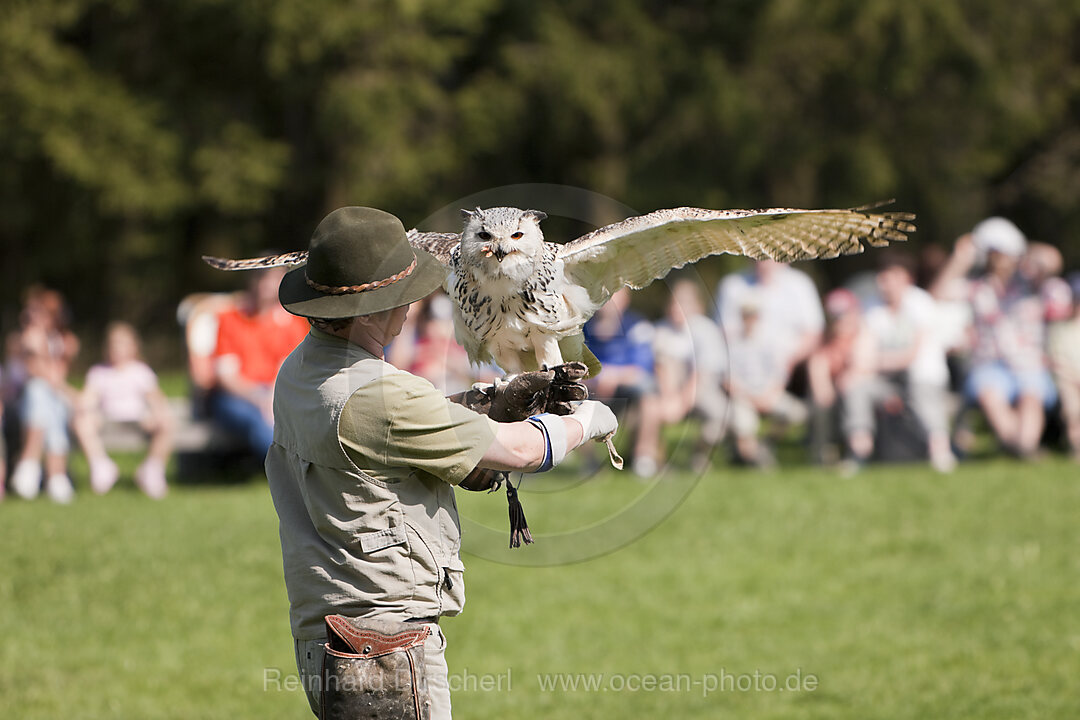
536	215
466	215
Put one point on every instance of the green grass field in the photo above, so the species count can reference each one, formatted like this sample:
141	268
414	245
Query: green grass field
894	594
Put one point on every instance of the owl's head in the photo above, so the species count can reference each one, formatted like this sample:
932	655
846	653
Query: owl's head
502	235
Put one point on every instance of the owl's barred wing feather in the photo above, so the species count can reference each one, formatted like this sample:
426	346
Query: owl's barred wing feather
641	249
439	245
260	263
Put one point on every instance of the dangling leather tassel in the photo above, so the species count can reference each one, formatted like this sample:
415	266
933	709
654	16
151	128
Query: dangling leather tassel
519	527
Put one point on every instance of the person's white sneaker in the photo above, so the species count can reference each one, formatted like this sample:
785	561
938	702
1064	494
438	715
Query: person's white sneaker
103	474
765	459
59	489
944	463
26	480
645	467
150	477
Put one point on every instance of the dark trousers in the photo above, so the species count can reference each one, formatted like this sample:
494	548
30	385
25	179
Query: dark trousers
243	418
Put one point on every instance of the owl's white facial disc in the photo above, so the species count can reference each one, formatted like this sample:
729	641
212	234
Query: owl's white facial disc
502	236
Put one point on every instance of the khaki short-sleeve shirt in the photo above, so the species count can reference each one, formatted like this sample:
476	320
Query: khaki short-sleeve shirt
361	472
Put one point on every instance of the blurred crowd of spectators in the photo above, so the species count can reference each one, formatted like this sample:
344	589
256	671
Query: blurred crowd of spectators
43	411
898	364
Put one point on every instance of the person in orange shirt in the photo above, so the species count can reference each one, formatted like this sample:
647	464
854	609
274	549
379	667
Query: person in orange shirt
253	340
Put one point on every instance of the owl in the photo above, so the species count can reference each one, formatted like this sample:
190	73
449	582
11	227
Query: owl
521	301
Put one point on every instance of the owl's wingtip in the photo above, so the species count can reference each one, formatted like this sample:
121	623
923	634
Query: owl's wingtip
216	262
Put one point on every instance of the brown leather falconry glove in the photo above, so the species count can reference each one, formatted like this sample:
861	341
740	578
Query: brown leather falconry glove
529	393
523	396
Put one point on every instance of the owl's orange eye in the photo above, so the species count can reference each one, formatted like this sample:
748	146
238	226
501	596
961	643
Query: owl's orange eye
516	236
484	235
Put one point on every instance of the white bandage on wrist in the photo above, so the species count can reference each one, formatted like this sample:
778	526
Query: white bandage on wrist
555	440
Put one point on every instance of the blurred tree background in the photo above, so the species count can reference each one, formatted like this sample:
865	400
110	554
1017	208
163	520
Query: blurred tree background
136	135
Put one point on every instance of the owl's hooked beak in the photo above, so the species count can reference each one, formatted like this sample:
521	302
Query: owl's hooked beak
497	251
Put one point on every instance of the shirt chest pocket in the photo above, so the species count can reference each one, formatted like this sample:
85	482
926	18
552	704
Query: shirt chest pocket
376	540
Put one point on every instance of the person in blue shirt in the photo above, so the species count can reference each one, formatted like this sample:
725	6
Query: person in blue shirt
622	341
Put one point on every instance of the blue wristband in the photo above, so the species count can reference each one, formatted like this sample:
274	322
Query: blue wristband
555	440
546	465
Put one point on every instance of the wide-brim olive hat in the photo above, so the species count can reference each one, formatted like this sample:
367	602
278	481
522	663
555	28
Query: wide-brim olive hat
359	262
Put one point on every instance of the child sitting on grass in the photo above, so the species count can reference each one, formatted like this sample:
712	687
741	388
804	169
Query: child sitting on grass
124	390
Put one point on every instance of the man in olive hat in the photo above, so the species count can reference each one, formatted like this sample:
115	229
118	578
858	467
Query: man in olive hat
365	455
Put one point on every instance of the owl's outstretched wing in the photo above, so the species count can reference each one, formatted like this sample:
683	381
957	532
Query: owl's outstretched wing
293	258
441	245
641	249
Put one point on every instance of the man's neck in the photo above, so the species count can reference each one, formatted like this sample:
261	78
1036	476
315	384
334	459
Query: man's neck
359	334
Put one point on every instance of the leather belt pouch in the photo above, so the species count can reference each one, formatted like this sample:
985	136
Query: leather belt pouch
374	669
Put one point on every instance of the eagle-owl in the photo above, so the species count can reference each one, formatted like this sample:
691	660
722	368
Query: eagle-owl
513	302
522	301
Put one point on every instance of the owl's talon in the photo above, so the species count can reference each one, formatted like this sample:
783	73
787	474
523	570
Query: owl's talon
497	482
560	408
570	371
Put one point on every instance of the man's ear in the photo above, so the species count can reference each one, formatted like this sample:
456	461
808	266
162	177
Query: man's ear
536	215
370	320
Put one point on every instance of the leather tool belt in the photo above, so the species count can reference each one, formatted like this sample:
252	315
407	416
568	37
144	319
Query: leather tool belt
374	669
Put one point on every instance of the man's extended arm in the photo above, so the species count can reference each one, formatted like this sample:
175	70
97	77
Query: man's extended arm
525	446
522	445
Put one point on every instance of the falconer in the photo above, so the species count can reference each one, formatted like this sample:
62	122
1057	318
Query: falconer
364	463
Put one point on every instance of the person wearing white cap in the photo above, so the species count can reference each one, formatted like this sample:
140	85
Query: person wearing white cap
997	234
1009	379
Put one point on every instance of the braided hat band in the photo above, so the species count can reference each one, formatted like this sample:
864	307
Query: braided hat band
352	289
